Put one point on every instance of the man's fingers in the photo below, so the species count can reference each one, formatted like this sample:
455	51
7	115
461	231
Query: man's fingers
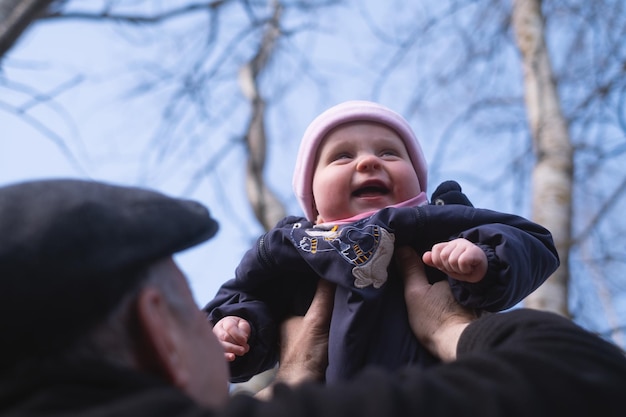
322	305
304	340
411	268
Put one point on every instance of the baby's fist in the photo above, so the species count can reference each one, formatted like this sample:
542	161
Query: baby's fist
233	333
460	259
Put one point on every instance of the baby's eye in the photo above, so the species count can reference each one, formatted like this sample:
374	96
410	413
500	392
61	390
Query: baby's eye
342	155
389	152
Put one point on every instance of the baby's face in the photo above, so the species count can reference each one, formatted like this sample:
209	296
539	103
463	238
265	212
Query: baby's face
361	166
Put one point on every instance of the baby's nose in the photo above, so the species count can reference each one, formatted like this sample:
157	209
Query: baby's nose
368	162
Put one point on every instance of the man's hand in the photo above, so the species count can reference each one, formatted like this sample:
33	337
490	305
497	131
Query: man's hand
435	316
304	342
459	259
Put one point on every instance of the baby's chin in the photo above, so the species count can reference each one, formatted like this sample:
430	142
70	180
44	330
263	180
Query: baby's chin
349	216
365	205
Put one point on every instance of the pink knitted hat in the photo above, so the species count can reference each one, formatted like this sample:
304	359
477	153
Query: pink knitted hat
349	111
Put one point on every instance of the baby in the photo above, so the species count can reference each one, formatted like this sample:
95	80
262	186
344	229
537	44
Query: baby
361	179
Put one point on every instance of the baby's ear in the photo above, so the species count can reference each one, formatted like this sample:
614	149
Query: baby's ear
449	192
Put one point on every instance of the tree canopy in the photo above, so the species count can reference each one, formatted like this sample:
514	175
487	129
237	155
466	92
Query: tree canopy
216	95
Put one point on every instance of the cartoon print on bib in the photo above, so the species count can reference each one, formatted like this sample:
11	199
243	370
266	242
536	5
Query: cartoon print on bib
368	247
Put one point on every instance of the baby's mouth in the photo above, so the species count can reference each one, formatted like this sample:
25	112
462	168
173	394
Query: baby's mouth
371	191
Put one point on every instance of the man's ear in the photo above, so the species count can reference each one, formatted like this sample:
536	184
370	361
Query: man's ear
161	349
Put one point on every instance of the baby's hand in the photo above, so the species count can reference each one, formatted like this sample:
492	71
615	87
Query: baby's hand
233	333
459	259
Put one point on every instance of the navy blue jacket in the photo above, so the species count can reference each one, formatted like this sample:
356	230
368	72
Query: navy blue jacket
369	326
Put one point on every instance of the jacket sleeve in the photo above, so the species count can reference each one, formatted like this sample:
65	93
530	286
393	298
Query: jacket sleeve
518	263
521	253
271	283
520	363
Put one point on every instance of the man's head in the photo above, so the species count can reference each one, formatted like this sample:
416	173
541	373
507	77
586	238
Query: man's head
176	341
72	251
369	115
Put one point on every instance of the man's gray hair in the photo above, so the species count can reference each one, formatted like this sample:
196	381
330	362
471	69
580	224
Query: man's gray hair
117	338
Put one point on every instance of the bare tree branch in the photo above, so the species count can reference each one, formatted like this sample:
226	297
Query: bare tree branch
58	140
107	15
37	98
15	17
601	212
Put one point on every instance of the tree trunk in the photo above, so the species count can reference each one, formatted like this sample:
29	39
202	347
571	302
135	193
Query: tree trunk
15	16
553	173
267	208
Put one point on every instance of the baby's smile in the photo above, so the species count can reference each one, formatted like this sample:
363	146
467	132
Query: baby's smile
371	189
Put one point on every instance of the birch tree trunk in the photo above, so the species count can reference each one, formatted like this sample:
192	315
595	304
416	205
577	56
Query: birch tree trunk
267	208
15	16
553	173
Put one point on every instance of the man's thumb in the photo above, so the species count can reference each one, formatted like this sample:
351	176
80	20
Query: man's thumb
411	267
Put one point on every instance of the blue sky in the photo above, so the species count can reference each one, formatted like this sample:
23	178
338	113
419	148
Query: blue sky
82	74
95	122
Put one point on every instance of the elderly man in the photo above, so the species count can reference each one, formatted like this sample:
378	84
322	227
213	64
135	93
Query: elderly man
97	320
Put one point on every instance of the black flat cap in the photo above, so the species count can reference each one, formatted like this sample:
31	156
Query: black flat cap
66	249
